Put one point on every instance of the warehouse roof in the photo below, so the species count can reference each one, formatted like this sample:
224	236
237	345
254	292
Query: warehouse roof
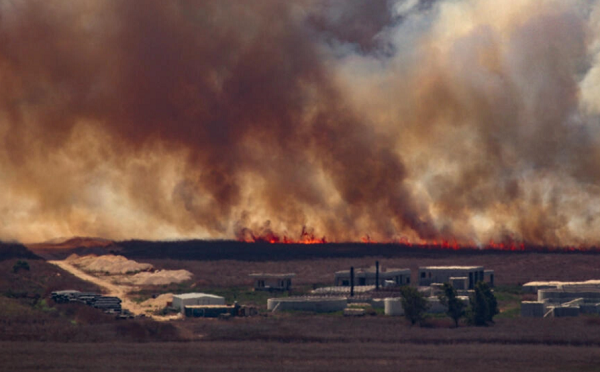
450	267
592	282
373	269
275	276
185	296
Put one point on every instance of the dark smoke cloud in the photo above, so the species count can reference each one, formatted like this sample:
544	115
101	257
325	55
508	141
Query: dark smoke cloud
242	95
397	119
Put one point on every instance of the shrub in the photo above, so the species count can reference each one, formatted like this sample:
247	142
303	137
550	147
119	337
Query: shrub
20	265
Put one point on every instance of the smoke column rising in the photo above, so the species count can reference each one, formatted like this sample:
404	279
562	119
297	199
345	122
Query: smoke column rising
467	120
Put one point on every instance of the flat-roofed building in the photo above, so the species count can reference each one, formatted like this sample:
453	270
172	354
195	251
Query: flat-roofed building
368	276
429	275
180	301
272	282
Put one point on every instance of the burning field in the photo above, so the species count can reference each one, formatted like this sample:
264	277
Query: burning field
453	123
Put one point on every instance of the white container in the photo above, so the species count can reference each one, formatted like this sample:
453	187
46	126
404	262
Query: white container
393	307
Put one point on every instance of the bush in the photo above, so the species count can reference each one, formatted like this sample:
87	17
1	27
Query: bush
455	307
414	304
20	265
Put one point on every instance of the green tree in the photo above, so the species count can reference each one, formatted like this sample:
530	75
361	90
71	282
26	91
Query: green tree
414	304
20	265
455	308
491	301
482	306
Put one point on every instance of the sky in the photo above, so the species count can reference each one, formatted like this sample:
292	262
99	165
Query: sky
396	120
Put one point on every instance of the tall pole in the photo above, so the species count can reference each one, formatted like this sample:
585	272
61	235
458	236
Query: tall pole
352	281
377	275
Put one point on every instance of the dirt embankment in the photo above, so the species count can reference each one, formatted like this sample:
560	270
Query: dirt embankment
129	272
118	277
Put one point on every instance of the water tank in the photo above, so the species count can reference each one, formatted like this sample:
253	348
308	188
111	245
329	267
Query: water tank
393	306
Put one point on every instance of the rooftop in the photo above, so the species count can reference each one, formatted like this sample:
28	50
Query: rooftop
450	267
276	276
373	269
593	282
185	296
575	289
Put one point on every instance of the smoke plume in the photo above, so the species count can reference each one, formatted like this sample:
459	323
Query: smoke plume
398	120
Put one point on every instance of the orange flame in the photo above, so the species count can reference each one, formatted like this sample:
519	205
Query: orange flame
308	237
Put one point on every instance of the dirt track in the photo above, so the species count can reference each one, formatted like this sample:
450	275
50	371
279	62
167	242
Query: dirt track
111	289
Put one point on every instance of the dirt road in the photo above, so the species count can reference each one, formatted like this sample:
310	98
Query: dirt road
111	289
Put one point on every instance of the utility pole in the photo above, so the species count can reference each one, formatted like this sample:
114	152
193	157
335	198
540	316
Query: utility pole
352	281
376	275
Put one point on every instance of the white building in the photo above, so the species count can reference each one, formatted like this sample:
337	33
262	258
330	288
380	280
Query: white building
180	301
470	275
533	287
564	299
364	277
272	282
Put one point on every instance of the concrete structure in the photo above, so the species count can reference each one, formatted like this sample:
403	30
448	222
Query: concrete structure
393	306
563	295
559	299
343	291
180	301
314	304
272	282
378	303
533	287
459	283
442	274
354	312
565	311
436	307
366	277
532	309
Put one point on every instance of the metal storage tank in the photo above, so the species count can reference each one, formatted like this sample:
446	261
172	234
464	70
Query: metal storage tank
393	306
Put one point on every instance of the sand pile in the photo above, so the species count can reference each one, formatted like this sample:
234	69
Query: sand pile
124	271
158	302
160	277
110	264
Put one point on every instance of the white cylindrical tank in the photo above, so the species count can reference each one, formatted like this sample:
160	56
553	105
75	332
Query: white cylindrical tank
393	306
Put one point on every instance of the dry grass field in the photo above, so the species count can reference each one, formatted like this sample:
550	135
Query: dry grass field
37	335
510	269
263	356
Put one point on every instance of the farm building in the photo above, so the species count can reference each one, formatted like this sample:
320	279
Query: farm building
272	282
210	311
468	275
567	300
363	277
218	311
533	287
180	301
